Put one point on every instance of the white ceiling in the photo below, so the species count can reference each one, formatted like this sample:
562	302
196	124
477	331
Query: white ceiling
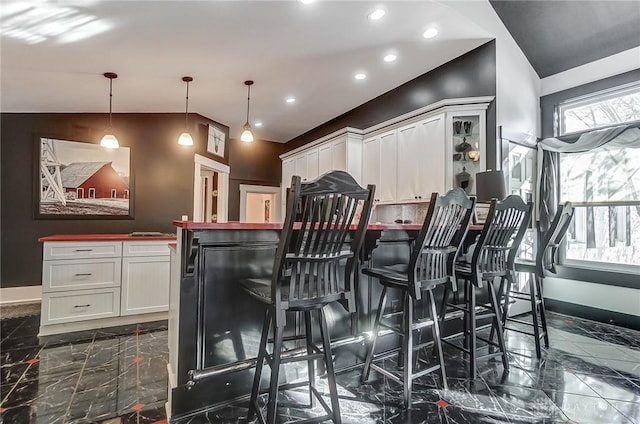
53	55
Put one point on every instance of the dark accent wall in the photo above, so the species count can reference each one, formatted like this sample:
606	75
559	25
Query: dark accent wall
549	102
256	163
162	174
470	75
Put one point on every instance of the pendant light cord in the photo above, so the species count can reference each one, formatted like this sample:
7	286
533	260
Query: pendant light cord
110	101
248	98
186	108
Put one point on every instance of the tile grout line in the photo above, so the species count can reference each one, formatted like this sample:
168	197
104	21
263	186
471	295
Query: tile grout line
73	394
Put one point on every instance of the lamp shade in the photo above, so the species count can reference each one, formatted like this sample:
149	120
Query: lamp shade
489	185
185	139
247	135
109	141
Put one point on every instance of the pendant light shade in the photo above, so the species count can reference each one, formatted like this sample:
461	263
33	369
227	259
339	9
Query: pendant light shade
247	134
185	138
109	140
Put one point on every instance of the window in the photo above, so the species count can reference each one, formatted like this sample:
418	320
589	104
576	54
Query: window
113	193
603	184
92	193
601	109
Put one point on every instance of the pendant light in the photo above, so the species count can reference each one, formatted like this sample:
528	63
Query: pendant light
247	135
109	140
185	138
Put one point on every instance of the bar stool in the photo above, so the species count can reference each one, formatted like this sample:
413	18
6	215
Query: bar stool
493	257
307	276
430	264
545	261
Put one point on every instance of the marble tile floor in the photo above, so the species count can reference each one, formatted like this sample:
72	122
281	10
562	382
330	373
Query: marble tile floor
108	376
591	374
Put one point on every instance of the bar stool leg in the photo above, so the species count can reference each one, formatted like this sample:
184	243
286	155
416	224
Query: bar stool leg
467	317
407	349
435	329
534	314
443	311
498	323
374	335
275	373
331	376
311	364
500	294
473	366
543	311
262	352
507	293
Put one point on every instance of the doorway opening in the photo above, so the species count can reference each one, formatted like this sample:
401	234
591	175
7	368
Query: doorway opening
259	204
210	190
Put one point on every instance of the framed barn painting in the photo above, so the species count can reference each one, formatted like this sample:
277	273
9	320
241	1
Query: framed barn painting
77	180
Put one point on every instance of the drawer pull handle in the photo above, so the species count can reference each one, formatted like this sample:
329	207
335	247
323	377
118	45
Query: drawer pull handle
83	250
82	306
84	275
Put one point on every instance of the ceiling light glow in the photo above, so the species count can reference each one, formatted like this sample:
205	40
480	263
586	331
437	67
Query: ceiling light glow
376	14
430	33
390	57
257	124
290	100
360	76
306	1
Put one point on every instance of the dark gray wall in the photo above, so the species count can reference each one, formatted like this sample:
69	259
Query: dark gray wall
472	74
548	102
162	173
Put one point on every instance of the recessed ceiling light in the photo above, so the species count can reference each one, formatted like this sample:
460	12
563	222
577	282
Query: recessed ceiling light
306	1
390	57
257	124
290	100
376	14
430	33
360	76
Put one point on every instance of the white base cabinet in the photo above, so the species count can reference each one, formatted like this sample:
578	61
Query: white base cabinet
93	284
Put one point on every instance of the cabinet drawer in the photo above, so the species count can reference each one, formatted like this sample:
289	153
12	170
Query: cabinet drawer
80	305
145	248
81	274
82	249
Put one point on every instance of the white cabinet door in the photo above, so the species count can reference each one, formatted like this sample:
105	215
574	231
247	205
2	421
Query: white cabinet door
312	164
430	157
145	285
339	154
371	164
379	166
421	159
301	166
325	161
288	169
386	188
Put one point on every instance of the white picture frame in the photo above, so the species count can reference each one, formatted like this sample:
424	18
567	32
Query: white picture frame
216	141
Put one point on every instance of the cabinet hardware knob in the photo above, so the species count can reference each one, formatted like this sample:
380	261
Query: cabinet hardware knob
83	250
82	306
83	275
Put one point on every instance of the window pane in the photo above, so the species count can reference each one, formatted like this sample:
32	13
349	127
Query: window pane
609	234
600	110
600	175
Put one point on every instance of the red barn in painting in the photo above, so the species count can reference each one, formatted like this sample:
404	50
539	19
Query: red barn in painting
93	180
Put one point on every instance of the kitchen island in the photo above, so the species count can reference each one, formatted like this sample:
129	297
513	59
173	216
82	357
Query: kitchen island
214	327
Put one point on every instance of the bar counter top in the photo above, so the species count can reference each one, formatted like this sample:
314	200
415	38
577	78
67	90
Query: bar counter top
105	237
190	225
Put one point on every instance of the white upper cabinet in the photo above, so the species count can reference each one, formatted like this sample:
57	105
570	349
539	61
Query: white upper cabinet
421	159
379	165
325	159
288	171
312	164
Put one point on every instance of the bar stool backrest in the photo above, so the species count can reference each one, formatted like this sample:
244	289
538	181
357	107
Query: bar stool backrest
547	255
437	244
504	228
312	250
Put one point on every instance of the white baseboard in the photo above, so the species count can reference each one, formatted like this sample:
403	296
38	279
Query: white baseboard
18	295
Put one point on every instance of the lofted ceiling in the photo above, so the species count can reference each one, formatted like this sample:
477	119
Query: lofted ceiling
560	35
54	53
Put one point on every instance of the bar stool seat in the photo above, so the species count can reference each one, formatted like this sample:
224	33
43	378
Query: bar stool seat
430	264
312	268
